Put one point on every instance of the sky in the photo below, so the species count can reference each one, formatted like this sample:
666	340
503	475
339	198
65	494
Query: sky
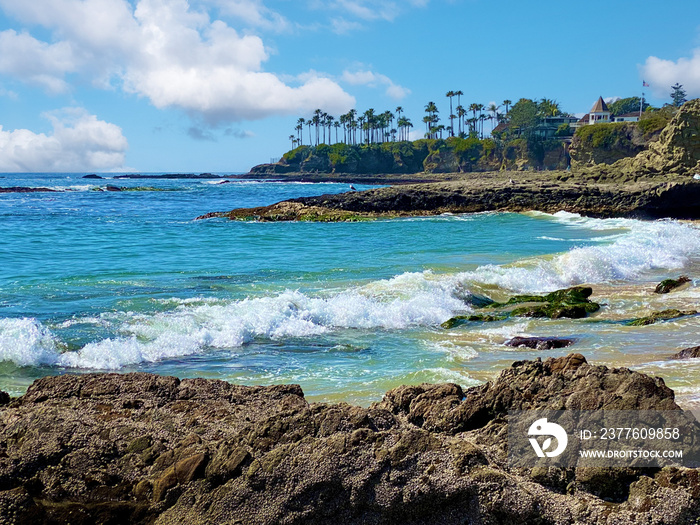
218	85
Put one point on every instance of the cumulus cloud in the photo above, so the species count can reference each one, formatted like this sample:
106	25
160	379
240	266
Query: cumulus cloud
78	142
662	74
36	62
371	79
166	51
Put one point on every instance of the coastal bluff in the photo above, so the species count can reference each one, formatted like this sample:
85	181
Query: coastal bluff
658	182
142	448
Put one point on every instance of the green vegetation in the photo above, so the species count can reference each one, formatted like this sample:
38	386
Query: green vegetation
627	105
604	135
678	95
654	120
529	134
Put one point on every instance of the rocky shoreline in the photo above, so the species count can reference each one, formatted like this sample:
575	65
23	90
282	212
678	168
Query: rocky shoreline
550	192
141	448
660	181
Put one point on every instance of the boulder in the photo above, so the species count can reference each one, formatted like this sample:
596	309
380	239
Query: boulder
539	343
669	285
687	353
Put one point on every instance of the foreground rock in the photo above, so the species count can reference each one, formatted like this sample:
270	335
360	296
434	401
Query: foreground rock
139	448
500	191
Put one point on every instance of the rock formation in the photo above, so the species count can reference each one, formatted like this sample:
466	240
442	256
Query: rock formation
139	448
677	152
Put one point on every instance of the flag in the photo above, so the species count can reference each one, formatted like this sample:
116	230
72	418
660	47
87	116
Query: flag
644	83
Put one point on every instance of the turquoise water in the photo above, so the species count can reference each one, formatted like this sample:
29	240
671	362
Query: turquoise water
124	281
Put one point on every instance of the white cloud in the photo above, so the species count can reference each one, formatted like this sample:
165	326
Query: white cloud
662	74
351	12
254	13
79	142
171	54
342	26
371	79
36	62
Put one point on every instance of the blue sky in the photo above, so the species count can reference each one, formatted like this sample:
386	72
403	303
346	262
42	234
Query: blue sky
217	85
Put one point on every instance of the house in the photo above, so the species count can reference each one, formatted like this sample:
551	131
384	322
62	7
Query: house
628	117
598	114
547	127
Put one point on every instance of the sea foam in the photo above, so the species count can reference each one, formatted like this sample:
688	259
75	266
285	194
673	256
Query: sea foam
414	299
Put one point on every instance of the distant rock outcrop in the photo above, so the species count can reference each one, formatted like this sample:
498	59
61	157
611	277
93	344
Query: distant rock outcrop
676	152
139	448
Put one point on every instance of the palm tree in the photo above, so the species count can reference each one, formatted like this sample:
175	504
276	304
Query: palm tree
329	123
549	107
449	95
493	108
389	118
460	116
317	121
427	120
369	123
432	111
336	125
482	118
293	139
299	128
507	104
407	124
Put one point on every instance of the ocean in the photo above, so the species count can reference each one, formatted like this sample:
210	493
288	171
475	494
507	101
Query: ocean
128	281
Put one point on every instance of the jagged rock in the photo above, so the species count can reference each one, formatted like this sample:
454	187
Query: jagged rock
4	398
677	151
669	285
663	315
687	353
539	343
139	448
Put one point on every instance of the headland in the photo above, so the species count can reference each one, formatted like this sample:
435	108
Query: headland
658	181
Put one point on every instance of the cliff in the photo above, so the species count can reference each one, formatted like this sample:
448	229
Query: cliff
140	448
676	152
605	144
452	155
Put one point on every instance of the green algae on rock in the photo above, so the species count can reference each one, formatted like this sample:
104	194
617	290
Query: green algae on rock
664	315
668	285
572	303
